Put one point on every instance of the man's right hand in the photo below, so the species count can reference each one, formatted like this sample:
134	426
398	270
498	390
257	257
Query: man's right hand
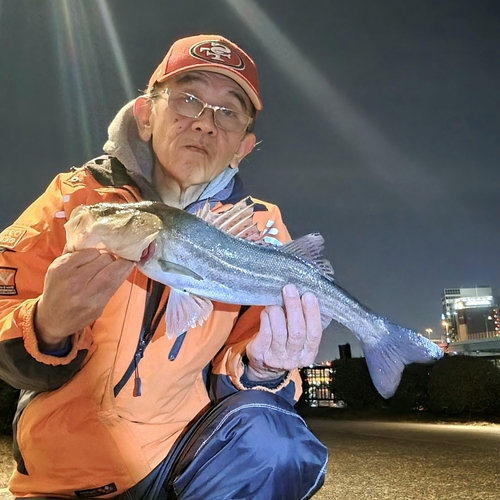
77	287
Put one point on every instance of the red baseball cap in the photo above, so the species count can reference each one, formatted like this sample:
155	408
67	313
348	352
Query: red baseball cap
210	53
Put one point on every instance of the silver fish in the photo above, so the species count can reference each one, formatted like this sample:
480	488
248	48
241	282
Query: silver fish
207	257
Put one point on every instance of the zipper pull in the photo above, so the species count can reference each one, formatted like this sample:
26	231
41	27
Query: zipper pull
137	380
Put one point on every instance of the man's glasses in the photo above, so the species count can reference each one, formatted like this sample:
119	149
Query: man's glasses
190	106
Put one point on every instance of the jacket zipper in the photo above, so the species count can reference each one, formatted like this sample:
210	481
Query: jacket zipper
150	322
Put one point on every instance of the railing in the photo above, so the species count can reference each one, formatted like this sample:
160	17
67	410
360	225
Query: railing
482	335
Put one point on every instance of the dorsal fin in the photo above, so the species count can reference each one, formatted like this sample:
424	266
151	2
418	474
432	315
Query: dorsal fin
310	248
236	221
205	213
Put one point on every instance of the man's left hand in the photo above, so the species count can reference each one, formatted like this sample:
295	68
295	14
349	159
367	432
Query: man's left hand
288	338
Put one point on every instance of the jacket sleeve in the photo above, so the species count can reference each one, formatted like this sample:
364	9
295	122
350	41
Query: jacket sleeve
228	367
27	248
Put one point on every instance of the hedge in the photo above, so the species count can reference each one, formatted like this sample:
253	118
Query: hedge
464	385
458	385
412	392
353	385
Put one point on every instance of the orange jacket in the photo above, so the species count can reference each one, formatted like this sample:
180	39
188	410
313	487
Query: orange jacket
74	434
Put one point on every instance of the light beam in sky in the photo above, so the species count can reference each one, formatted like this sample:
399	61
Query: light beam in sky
126	80
75	62
76	27
386	162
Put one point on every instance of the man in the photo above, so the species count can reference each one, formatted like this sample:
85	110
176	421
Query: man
111	406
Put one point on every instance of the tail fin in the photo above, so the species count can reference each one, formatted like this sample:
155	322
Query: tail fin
394	350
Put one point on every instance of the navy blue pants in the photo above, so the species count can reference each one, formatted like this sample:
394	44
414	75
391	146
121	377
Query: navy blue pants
252	445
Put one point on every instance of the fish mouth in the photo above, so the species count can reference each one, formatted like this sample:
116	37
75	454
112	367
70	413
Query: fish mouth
147	253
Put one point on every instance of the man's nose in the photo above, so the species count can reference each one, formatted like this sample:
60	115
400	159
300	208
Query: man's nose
206	121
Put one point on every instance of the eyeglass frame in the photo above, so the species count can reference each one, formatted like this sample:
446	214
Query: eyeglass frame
167	90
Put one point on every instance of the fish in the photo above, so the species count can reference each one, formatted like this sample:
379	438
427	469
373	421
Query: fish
205	257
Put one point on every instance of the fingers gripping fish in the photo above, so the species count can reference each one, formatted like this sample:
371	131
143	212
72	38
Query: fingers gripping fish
207	257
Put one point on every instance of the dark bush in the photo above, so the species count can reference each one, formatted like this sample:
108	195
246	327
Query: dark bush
8	402
464	385
411	393
352	384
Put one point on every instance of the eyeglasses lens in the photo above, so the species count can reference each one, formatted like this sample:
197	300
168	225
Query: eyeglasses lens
190	106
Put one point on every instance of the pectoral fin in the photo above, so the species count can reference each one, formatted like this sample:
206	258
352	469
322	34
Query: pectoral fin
184	311
172	267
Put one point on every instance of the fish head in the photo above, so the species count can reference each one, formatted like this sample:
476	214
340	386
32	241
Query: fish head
121	229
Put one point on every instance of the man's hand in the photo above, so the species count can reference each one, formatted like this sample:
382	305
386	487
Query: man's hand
77	287
288	338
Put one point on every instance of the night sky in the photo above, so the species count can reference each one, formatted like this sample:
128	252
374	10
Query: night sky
380	126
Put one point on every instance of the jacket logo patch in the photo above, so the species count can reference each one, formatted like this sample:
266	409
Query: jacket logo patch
11	236
8	281
96	492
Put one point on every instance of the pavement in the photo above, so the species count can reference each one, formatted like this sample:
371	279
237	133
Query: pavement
409	461
373	460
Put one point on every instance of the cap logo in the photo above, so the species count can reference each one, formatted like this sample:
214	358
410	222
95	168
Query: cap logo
217	52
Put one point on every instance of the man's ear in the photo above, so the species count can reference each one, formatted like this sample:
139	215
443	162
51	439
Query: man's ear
245	147
142	114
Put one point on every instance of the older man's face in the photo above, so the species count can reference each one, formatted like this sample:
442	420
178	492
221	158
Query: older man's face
193	151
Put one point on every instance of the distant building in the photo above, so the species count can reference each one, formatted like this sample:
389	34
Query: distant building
471	321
